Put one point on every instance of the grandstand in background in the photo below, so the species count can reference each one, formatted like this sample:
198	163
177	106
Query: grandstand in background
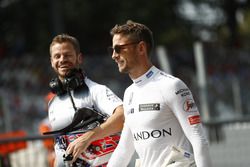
24	83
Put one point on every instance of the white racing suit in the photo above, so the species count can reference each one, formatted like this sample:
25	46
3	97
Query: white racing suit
176	158
160	113
61	112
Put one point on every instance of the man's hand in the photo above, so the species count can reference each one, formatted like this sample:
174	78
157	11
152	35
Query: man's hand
79	145
112	125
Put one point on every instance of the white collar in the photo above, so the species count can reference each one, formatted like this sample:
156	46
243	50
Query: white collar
146	76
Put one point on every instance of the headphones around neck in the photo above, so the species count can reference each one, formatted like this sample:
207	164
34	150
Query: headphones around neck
73	80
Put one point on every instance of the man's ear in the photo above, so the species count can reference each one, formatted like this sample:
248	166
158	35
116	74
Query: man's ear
142	47
51	63
80	58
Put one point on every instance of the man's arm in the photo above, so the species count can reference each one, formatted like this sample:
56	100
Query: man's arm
112	125
186	111
124	151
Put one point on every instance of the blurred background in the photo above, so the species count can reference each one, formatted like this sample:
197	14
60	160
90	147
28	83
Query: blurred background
203	42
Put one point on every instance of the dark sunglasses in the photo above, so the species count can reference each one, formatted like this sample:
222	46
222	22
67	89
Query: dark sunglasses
118	48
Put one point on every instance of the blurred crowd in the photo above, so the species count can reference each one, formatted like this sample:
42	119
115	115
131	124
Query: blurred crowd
24	82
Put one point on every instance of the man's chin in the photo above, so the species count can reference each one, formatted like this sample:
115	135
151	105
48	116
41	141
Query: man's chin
122	70
63	73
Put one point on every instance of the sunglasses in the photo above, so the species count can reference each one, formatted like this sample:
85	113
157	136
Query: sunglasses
118	48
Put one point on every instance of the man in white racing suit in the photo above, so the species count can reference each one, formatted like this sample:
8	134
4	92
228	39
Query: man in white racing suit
65	56
162	122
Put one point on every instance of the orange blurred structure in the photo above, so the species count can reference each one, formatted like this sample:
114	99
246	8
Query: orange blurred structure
45	127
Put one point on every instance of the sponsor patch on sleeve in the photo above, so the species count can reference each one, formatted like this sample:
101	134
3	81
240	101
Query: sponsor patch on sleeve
189	106
111	96
196	119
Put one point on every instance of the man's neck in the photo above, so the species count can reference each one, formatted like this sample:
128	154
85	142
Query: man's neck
140	70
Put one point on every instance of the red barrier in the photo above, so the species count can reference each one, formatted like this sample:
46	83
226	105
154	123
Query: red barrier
10	147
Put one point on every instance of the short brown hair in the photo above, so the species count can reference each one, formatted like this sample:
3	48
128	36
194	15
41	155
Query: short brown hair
135	31
66	38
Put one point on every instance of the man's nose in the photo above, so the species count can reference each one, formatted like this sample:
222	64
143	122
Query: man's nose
114	55
63	58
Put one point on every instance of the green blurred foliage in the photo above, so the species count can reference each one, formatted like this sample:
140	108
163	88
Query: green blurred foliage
34	23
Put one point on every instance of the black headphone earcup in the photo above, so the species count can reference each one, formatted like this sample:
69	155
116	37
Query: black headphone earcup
74	79
56	87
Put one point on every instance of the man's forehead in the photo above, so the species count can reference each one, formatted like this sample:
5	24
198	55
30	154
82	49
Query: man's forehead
62	46
120	38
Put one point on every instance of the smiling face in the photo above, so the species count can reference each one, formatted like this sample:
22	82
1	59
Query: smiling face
127	58
131	57
63	57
